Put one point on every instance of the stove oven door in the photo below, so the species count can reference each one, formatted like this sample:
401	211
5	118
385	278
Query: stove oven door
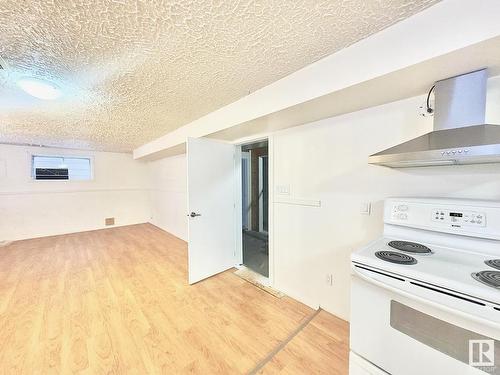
406	336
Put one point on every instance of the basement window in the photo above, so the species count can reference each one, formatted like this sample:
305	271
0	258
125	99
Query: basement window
60	168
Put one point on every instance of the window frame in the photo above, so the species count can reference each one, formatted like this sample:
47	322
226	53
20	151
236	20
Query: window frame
31	159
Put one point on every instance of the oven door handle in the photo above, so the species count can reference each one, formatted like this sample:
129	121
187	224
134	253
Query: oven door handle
426	301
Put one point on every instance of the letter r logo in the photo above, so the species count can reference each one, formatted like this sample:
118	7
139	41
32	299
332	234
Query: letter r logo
482	353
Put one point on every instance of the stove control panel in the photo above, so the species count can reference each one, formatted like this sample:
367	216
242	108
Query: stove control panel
459	218
400	212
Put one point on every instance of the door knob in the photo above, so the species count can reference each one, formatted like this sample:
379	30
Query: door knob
194	214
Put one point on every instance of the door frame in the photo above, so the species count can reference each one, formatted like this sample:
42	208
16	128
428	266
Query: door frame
238	200
248	157
261	197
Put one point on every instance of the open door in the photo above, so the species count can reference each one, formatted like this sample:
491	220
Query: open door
211	203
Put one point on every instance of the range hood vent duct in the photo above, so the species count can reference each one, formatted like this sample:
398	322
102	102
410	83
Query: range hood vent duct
460	135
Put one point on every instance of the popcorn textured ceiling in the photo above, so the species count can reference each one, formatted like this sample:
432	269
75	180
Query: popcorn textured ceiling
131	71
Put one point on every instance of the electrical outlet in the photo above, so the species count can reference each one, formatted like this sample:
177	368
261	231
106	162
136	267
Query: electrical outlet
329	279
109	221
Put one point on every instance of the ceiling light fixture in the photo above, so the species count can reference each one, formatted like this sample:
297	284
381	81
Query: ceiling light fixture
39	88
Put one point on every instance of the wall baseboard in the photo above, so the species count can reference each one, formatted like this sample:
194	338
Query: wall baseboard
71	191
170	233
97	228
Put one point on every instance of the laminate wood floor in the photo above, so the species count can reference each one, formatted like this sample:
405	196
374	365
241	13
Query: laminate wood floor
116	301
322	347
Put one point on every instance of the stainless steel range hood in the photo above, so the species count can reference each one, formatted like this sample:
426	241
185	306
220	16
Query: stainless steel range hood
460	135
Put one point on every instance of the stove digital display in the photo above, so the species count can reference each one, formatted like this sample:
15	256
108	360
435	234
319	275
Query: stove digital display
456	214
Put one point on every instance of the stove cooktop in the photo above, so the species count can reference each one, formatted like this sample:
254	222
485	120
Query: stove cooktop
490	278
495	263
410	247
394	257
462	271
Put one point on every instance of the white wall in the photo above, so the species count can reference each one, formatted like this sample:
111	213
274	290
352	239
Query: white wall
327	161
31	208
168	194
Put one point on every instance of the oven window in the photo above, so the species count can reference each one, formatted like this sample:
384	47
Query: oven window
449	339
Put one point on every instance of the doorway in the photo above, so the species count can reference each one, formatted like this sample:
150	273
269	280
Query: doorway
255	206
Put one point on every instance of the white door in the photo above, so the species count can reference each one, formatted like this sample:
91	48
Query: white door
211	203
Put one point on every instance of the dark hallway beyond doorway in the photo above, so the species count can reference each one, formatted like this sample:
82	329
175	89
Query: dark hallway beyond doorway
255	252
255	210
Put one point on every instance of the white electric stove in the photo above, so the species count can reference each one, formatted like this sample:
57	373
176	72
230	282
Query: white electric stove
426	296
